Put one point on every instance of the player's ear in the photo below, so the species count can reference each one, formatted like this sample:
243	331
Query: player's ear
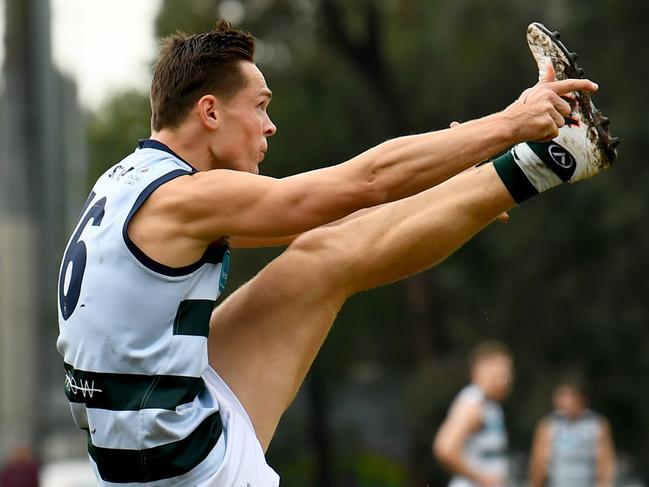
208	112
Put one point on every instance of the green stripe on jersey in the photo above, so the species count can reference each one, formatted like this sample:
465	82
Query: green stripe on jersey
130	392
193	317
160	462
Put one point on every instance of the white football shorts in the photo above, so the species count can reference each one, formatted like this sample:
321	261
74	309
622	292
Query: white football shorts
244	463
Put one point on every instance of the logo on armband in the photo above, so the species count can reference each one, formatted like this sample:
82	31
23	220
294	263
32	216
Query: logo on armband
561	156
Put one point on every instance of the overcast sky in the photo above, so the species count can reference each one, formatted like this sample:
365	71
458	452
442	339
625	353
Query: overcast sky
2	31
105	46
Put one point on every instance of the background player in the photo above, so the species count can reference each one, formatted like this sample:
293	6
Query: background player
573	446
472	440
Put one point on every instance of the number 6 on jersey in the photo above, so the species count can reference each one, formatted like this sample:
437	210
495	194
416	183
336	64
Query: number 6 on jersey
74	261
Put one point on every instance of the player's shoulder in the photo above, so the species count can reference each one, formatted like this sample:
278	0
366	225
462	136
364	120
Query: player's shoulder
549	420
142	164
592	415
594	419
471	395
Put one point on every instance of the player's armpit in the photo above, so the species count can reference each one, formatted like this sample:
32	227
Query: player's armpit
255	243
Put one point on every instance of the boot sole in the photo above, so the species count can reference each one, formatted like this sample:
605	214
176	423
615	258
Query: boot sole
601	136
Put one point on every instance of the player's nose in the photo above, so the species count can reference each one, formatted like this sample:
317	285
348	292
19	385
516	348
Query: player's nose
270	129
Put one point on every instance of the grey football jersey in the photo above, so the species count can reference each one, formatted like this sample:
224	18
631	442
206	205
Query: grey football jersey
573	457
486	449
133	335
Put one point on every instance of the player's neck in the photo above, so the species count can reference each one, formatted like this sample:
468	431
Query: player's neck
186	146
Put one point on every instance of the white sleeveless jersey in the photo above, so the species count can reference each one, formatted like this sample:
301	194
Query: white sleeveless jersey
133	335
573	457
486	449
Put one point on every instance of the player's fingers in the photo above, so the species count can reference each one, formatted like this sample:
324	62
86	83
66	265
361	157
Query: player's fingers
572	101
558	119
551	134
503	217
565	86
549	75
561	106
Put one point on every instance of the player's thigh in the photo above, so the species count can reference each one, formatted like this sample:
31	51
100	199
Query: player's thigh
265	335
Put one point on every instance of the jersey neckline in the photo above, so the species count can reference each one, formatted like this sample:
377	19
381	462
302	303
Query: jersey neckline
156	144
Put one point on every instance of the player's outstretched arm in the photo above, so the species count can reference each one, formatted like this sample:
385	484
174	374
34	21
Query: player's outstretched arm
206	206
266	207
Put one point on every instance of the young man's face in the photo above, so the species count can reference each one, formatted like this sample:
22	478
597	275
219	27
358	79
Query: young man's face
244	125
569	401
494	375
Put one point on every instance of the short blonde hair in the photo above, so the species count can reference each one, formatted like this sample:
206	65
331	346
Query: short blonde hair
488	349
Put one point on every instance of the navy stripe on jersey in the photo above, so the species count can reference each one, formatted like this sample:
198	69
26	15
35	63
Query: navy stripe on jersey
160	462
193	317
130	392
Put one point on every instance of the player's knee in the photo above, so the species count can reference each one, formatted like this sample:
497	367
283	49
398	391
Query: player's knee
315	247
323	253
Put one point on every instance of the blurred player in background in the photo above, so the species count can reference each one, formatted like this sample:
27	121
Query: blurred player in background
472	440
20	469
573	446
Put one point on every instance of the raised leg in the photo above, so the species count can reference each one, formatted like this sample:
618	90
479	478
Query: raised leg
265	336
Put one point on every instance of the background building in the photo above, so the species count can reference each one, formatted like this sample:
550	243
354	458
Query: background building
42	183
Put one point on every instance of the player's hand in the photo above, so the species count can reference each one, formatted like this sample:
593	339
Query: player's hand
490	480
540	111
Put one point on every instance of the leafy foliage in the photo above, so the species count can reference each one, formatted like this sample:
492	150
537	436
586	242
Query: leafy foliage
113	132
